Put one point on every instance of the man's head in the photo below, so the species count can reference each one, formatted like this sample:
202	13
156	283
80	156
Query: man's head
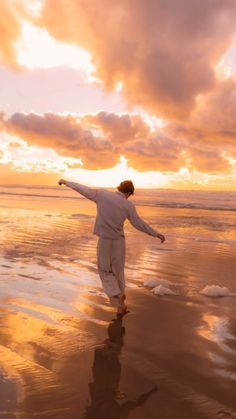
126	187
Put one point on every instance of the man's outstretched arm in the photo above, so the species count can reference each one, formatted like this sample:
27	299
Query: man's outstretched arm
139	224
89	193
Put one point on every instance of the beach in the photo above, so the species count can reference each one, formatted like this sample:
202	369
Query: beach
62	352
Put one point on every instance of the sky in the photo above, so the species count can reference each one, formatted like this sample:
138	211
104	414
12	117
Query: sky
100	91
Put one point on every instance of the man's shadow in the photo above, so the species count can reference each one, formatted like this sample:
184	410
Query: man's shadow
106	400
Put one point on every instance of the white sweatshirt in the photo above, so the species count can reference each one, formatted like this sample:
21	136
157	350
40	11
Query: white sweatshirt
112	210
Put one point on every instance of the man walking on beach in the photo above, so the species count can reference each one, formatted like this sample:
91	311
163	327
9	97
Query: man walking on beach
113	208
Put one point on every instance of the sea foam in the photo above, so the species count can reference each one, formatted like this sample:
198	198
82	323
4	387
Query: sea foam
161	290
216	291
151	283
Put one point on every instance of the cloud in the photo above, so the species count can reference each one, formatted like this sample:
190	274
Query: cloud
164	52
206	161
64	134
157	149
132	136
157	152
119	128
212	126
162	153
145	148
215	115
100	139
10	29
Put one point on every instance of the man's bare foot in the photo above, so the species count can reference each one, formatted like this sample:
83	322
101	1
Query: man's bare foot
122	311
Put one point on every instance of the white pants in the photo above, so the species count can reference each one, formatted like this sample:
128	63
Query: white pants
111	263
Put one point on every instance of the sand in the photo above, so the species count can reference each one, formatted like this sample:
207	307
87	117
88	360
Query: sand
64	355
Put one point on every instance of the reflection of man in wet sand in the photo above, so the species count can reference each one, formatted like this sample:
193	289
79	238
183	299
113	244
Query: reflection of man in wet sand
104	390
113	208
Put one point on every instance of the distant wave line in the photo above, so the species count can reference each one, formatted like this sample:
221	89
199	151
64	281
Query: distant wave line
138	203
185	205
40	195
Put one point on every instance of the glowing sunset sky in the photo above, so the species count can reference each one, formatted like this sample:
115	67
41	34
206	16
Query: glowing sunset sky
98	91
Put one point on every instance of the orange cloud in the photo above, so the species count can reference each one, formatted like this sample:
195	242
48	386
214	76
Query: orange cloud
207	161
119	128
164	52
114	135
158	149
145	149
212	126
65	134
164	55
215	115
10	30
100	139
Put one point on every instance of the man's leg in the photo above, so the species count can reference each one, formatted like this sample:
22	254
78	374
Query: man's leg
118	266
110	281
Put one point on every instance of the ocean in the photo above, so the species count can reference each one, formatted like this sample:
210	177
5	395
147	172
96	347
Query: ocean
57	223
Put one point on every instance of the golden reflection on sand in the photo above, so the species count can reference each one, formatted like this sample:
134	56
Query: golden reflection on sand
35	352
215	329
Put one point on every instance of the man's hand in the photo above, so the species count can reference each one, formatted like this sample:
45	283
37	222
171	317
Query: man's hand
61	182
161	237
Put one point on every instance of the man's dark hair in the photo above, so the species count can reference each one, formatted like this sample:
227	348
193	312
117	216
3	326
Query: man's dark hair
126	187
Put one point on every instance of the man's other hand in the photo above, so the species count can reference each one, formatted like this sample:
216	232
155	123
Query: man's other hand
161	237
61	182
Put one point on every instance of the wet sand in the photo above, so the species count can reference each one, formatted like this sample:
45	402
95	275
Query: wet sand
167	359
63	354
